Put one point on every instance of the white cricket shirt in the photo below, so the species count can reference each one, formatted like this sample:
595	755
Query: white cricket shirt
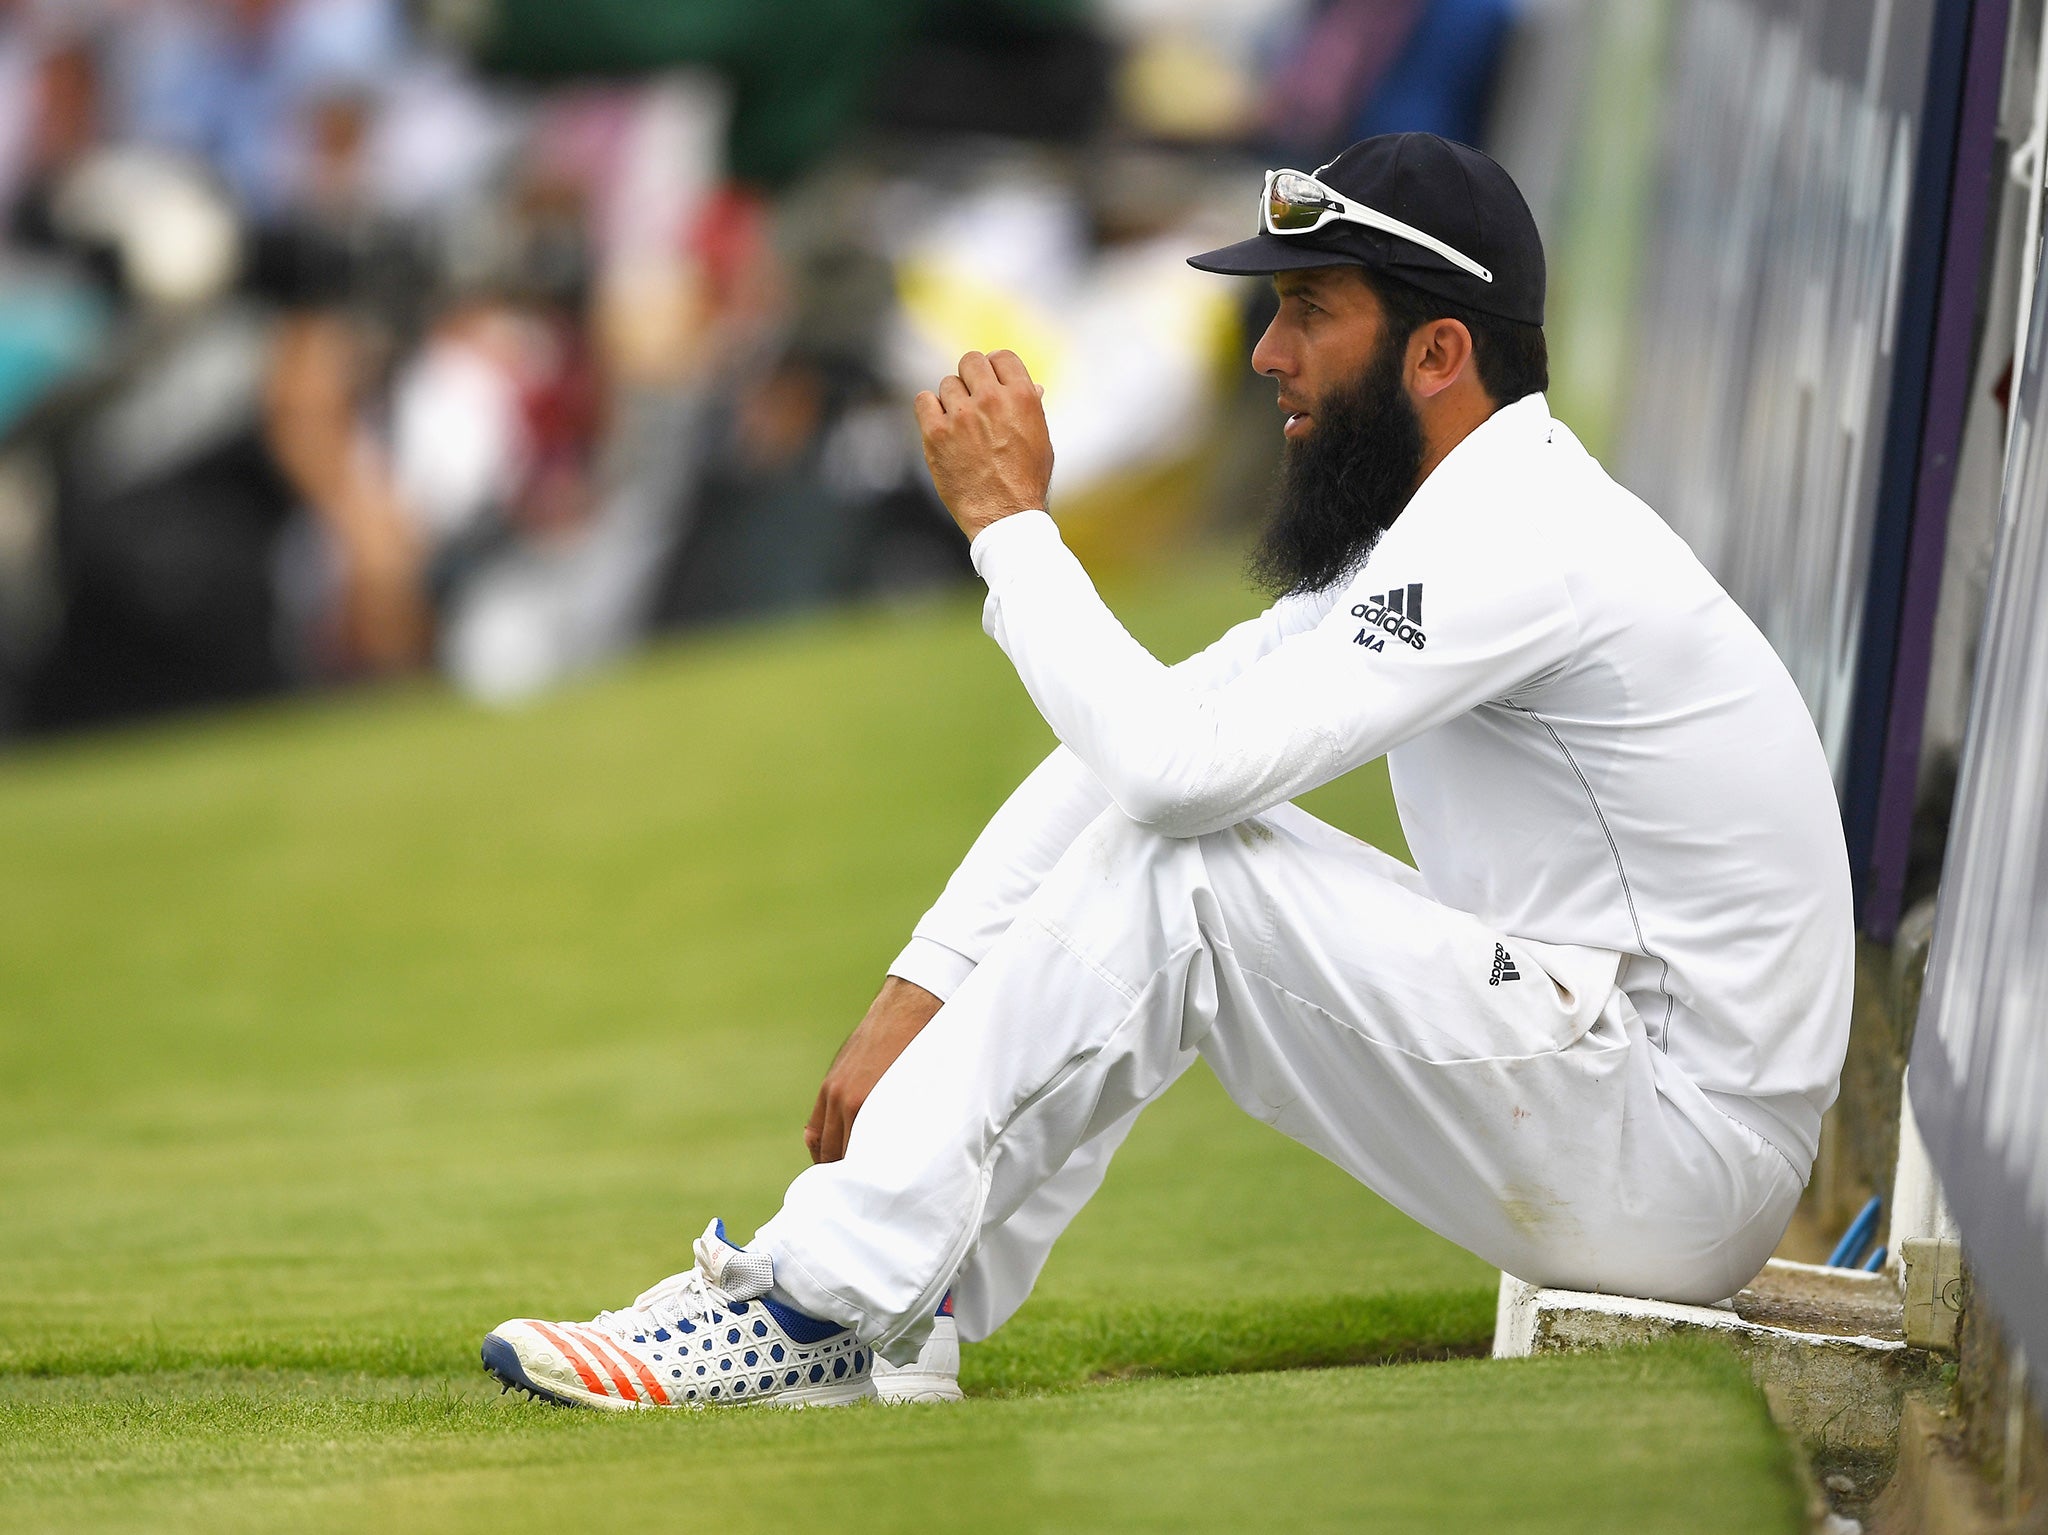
1591	746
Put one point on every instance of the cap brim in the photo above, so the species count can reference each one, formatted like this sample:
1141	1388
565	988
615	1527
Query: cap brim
1263	254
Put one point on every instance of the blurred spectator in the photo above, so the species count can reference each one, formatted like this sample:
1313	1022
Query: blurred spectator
1361	67
274	94
1444	79
183	447
323	356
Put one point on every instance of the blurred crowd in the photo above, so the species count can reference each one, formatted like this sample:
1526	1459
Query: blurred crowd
345	338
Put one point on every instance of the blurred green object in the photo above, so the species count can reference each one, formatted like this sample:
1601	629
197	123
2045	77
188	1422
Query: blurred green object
801	70
332	1035
50	329
1604	221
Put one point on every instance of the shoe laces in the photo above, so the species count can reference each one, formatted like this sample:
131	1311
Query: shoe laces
692	1293
688	1294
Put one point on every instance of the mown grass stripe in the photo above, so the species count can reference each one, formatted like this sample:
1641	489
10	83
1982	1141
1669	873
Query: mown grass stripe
1054	1344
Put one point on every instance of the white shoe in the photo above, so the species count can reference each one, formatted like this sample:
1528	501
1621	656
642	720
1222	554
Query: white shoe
711	1336
934	1376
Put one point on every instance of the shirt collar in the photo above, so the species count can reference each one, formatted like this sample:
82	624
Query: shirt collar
1526	422
1523	425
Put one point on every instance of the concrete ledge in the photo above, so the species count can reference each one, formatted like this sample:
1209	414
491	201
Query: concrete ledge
1826	1345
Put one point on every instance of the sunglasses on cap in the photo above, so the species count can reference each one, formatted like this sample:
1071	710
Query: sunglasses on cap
1295	203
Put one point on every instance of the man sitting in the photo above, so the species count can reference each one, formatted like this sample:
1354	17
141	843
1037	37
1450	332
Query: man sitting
1589	1037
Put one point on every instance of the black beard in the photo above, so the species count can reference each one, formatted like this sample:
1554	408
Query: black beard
1343	485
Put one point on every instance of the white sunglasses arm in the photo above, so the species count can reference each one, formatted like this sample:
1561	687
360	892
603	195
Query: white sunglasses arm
1374	219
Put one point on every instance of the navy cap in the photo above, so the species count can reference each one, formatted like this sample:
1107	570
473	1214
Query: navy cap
1446	190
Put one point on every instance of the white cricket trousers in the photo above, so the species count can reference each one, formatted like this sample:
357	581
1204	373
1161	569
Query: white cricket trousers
1530	1122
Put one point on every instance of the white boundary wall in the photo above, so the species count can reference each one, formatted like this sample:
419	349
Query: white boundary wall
1979	1078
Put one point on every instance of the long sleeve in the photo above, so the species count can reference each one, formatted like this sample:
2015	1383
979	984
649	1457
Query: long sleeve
1324	701
1014	852
1041	818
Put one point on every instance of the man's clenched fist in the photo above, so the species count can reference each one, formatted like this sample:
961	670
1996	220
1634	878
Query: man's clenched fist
985	440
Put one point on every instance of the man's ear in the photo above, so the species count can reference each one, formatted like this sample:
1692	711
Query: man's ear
1439	354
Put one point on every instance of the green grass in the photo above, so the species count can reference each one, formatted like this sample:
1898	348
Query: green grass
1639	1442
331	1035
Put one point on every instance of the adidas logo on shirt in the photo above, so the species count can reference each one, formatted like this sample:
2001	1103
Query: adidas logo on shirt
1503	967
1396	614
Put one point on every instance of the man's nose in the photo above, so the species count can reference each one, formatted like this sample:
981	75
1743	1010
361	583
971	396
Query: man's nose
1270	358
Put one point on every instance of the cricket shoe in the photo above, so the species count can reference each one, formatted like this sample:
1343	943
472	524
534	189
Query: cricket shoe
934	1376
709	1336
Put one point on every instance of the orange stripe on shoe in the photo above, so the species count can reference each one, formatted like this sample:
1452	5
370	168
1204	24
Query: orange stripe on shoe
646	1376
595	1343
583	1370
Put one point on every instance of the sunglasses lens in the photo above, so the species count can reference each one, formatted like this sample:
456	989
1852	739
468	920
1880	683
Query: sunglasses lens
1295	203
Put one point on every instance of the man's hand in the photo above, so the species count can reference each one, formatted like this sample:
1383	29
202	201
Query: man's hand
985	440
893	1020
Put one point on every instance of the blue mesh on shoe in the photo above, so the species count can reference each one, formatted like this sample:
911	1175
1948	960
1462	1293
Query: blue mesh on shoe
801	1328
